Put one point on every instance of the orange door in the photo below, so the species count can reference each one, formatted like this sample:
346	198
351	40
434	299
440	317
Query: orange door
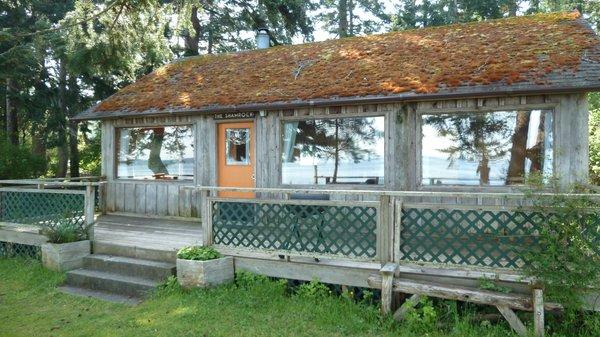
235	147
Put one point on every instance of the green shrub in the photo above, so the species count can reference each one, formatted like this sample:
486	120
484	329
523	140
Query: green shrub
569	258
17	162
313	289
198	253
247	280
64	231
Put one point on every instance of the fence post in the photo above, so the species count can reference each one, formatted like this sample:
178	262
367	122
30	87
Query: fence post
102	197
89	204
538	312
398	203
384	232
206	218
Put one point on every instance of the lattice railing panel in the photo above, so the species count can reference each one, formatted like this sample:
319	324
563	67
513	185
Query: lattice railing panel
468	237
348	231
11	250
42	208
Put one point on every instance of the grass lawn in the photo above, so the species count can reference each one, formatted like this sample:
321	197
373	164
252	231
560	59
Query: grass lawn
30	305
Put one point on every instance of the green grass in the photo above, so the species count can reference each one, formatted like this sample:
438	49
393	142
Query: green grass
30	305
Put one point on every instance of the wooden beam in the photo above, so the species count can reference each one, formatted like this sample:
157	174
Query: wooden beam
538	312
387	277
465	294
513	320
406	306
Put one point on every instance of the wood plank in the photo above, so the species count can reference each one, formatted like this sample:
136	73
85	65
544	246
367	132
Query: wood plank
25	238
140	198
513	320
173	200
538	312
151	206
409	304
464	294
162	199
355	277
129	198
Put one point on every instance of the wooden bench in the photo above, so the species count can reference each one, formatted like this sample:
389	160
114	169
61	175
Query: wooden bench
506	303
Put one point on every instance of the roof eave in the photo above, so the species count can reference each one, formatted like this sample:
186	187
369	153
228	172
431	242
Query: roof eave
411	97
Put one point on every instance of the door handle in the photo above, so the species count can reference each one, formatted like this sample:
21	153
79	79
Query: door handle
253	176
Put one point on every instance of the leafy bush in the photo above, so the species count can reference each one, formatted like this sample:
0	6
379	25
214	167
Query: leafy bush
569	258
313	289
64	231
423	317
246	280
198	253
17	162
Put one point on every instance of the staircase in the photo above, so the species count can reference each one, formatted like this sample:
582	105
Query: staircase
117	274
131	256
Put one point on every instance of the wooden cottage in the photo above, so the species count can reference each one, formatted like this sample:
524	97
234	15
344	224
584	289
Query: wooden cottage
332	159
468	107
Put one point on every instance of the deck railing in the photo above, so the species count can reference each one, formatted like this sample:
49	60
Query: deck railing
47	202
480	230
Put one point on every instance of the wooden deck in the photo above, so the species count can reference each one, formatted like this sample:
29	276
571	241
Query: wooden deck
147	233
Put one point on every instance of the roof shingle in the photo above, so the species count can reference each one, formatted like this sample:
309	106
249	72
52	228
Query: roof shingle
544	51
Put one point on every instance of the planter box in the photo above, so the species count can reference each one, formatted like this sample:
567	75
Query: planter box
191	273
65	256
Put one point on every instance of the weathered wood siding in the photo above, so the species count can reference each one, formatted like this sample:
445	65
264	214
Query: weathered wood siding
402	150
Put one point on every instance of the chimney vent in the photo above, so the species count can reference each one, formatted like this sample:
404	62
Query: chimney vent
262	38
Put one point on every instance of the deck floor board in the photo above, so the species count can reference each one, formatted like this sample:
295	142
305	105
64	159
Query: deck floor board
147	233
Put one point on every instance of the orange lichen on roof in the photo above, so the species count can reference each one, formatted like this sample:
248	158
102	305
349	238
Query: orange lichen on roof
420	61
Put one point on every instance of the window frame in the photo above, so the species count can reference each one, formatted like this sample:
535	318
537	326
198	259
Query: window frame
280	135
117	137
552	107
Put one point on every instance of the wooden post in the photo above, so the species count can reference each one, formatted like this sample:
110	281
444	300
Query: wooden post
538	312
387	282
384	232
89	205
206	218
102	195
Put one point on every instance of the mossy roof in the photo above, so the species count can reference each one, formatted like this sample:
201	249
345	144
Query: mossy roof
543	52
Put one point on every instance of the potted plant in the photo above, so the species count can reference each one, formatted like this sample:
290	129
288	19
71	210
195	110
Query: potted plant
67	245
203	267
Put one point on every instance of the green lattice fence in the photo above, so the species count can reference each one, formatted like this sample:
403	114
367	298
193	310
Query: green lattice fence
348	231
46	207
11	250
489	238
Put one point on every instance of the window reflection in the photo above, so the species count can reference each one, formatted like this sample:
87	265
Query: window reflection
155	153
496	148
237	145
333	151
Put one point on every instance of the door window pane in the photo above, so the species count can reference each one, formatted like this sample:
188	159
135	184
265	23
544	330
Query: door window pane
486	149
237	146
333	151
155	153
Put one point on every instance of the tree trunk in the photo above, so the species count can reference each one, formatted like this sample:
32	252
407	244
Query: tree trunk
39	143
453	11
343	18
73	149
518	152
12	127
536	154
350	18
513	6
336	159
155	163
63	153
192	39
63	160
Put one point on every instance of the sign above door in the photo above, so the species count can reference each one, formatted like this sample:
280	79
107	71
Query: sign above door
235	115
